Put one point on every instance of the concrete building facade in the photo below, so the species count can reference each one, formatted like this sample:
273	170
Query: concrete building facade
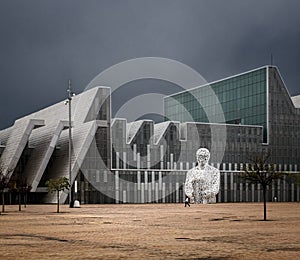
115	161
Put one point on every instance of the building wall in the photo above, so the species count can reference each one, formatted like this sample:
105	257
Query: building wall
154	186
45	135
284	121
141	162
158	175
178	143
244	100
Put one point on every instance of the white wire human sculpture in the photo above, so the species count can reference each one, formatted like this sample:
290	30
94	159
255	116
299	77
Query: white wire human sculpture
203	181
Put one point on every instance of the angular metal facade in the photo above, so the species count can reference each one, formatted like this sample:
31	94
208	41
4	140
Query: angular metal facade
38	154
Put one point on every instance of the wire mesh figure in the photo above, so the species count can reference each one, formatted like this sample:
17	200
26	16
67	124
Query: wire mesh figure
203	181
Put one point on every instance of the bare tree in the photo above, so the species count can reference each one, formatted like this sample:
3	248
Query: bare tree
24	188
4	183
260	172
21	188
58	184
3	186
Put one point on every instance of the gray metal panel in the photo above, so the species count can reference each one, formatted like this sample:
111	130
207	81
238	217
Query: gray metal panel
85	107
41	156
17	141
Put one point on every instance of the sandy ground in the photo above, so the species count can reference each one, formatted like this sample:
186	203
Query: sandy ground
157	231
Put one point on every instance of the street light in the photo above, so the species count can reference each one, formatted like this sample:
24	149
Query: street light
70	95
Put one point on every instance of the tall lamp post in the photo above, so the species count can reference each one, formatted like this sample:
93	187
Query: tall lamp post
70	95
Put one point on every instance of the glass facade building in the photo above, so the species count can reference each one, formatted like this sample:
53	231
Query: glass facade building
240	99
258	97
115	161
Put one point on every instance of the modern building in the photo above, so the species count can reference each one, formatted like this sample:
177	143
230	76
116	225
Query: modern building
258	97
114	161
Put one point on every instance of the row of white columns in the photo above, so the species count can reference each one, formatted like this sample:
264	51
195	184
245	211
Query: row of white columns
171	165
151	190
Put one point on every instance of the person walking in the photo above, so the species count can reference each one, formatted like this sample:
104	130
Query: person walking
187	202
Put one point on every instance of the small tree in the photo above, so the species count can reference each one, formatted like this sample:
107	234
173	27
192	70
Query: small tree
58	184
260	172
294	178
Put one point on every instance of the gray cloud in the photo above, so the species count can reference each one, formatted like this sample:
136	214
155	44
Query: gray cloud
44	43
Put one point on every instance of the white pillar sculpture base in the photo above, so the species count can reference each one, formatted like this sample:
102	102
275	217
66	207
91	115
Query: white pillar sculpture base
76	204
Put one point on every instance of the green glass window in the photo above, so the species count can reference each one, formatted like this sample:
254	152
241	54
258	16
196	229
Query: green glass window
242	99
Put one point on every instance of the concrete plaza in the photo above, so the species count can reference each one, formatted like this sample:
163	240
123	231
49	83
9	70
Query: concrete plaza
157	231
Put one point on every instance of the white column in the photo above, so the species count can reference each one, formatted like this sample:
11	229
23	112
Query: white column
161	152
225	187
153	180
135	193
97	176
164	192
105	176
142	192
171	161
149	193
161	156
134	152
241	166
187	166
117	160
160	180
148	157
124	160
177	192
117	186
138	161
139	180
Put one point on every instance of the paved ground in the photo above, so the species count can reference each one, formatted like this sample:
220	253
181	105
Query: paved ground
157	231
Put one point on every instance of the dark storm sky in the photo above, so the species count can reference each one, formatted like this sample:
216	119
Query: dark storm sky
46	42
